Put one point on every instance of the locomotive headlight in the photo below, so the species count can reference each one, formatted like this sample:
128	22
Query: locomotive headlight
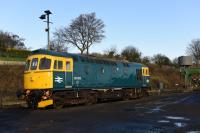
47	93
147	80
28	92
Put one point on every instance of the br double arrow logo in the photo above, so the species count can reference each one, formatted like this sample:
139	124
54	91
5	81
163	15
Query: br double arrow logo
58	79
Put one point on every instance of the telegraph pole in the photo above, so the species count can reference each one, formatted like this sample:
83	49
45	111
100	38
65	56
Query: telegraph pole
46	16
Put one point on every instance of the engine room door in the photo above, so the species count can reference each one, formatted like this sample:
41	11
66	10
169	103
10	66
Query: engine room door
68	79
68	73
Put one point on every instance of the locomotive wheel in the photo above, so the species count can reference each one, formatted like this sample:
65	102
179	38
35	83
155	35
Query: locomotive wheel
91	99
58	103
32	102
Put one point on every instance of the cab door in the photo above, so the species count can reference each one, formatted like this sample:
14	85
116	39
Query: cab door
63	72
59	74
68	73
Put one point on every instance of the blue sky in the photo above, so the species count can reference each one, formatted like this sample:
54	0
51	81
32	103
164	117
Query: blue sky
153	26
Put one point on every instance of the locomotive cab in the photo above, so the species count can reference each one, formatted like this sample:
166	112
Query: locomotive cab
43	73
38	72
146	77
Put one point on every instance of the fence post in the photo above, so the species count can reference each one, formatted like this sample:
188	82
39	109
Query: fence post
1	98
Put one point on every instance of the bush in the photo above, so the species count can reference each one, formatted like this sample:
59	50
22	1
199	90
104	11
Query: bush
14	53
168	75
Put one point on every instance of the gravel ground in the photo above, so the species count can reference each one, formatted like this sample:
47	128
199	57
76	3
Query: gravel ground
168	113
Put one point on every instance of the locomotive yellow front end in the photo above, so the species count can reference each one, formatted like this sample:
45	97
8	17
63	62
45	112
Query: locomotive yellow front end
38	80
146	77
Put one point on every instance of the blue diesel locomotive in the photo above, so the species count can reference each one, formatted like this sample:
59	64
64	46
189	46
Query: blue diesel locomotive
59	78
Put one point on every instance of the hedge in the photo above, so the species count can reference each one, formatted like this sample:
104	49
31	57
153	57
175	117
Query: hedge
18	53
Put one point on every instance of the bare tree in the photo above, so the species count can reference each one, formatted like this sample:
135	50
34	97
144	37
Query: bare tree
160	60
57	44
175	62
146	60
83	32
10	40
131	53
194	49
111	53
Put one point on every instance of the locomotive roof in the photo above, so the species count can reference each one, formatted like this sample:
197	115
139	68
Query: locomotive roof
54	53
82	57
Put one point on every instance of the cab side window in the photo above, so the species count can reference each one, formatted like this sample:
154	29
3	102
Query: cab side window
27	65
143	71
68	65
45	63
34	63
55	64
58	64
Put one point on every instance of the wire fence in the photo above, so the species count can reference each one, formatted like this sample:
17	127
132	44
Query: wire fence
11	80
11	63
7	98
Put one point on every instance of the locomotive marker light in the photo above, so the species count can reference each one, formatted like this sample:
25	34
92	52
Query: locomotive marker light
46	16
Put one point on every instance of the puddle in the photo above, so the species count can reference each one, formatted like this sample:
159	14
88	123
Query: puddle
163	121
156	110
155	129
180	124
177	118
193	132
182	100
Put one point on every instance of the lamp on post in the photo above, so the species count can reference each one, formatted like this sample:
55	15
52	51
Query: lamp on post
46	16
